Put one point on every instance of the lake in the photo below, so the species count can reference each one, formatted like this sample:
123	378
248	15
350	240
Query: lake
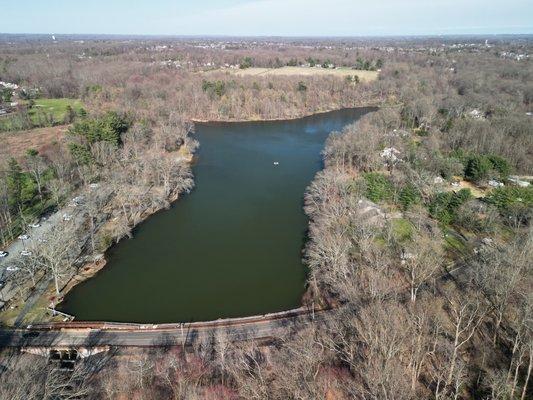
233	246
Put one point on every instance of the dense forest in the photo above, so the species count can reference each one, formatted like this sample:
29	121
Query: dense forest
420	237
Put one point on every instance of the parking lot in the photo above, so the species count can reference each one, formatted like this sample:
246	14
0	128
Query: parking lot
19	247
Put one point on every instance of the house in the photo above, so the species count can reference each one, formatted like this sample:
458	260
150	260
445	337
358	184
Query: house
7	85
390	154
370	212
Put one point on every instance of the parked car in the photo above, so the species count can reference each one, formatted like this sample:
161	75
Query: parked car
67	217
24	237
76	201
12	268
3	254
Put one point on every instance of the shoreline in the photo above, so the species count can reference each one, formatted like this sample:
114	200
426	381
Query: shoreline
281	119
92	268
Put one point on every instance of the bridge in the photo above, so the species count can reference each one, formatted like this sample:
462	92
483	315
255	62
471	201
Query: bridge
87	335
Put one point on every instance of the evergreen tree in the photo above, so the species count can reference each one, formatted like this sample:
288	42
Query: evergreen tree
14	184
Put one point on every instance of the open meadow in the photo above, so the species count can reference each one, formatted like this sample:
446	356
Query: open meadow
364	76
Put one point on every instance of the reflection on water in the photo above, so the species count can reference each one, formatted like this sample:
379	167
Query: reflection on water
230	248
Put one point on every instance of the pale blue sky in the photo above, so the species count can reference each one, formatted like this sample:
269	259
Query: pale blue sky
267	17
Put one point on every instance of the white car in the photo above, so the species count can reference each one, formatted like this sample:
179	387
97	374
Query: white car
25	253
24	237
12	268
34	225
79	200
3	254
67	217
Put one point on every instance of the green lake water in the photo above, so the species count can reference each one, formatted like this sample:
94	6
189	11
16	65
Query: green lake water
233	246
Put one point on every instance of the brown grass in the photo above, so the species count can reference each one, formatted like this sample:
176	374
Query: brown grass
364	76
15	144
476	191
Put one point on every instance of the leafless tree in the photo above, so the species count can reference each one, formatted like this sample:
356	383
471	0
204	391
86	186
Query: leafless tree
466	315
57	251
421	258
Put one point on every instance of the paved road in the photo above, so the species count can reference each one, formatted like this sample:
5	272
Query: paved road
14	257
188	335
77	217
34	234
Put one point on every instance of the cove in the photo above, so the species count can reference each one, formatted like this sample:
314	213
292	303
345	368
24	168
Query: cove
230	248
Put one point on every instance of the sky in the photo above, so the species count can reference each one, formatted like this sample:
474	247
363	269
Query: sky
267	17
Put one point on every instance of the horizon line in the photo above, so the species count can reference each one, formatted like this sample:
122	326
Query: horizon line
408	35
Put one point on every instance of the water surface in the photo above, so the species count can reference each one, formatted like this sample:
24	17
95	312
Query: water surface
232	247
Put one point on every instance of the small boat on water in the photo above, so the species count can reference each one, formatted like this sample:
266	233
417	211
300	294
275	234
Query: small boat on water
276	163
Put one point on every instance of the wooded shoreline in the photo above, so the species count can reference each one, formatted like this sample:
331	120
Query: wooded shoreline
90	269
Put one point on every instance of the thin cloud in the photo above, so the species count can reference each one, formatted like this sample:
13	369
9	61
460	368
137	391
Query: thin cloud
345	17
270	17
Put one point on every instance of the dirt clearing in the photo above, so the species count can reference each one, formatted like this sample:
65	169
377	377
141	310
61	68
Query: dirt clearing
364	76
15	144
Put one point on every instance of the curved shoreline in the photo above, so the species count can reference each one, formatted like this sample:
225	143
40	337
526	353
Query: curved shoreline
90	269
282	119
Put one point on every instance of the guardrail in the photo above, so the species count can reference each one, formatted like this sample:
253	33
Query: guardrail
102	325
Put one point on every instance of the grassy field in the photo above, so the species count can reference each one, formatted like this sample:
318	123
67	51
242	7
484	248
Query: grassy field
57	108
364	76
44	112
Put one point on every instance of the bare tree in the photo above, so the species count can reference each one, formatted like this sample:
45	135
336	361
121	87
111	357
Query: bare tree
466	315
420	258
57	251
30	377
500	272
